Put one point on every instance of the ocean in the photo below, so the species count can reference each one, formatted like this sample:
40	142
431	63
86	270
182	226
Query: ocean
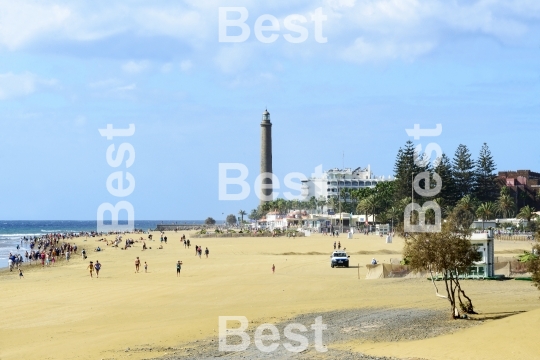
11	232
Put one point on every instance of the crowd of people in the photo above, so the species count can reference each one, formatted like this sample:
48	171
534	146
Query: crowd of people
47	249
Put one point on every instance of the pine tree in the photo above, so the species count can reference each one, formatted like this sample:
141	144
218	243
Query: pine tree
485	188
448	188
463	170
404	168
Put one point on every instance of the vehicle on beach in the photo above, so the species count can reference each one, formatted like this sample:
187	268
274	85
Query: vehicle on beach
339	258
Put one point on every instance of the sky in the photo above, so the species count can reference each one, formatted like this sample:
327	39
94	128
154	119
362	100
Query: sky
342	96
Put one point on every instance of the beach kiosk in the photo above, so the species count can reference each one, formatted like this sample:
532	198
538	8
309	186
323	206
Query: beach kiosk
485	245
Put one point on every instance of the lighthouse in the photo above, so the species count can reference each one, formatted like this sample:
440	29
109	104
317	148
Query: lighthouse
266	158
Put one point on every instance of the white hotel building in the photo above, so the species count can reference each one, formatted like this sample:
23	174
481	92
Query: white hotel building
332	181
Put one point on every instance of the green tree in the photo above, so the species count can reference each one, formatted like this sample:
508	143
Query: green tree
394	214
464	212
231	219
527	213
449	253
321	202
242	213
256	214
405	168
505	205
463	171
485	188
385	193
486	211
448	186
209	221
369	206
332	203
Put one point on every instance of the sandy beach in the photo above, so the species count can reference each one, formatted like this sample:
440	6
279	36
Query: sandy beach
62	313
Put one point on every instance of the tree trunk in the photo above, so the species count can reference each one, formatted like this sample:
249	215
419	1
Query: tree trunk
468	307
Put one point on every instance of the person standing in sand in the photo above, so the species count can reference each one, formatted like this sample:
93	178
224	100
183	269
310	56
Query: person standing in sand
97	267
91	268
178	268
206	252
273	268
145	267
20	274
137	264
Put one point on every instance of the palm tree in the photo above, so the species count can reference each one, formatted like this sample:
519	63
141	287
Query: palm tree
321	202
242	213
527	213
505	205
486	211
467	205
332	203
312	204
369	206
393	214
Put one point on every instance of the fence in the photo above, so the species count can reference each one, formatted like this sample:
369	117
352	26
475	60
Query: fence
514	237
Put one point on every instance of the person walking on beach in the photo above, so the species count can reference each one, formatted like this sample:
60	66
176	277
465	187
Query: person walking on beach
273	268
200	251
334	245
185	244
178	268
206	252
67	256
20	274
188	243
145	267
97	267
91	268
137	264
339	245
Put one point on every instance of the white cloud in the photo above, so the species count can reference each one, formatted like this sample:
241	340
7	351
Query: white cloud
375	29
126	87
80	121
186	65
166	68
107	83
362	51
134	67
15	85
232	59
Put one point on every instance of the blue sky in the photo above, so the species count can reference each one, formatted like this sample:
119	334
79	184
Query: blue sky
68	68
